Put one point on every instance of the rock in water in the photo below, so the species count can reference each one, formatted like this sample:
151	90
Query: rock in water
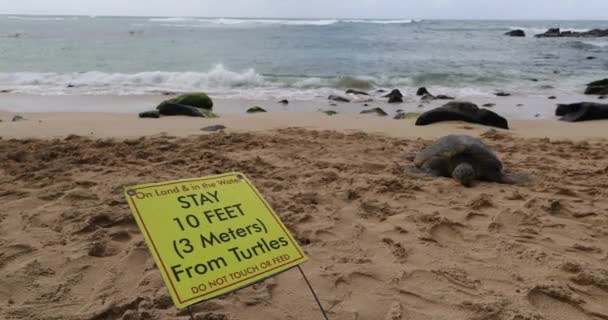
214	128
150	114
377	111
284	101
173	109
582	111
556	32
337	98
462	111
395	99
330	112
465	159
18	118
197	100
552	98
516	33
255	109
394	93
444	97
597	87
394	96
422	91
353	91
502	94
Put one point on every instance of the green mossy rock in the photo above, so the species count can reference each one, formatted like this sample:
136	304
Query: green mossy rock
198	100
330	112
406	115
255	109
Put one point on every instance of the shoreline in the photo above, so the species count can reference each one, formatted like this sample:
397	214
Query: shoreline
126	126
120	119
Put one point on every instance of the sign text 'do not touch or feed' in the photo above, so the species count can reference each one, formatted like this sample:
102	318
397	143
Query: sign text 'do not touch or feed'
211	235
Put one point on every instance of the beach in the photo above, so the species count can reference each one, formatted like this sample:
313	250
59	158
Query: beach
344	106
383	244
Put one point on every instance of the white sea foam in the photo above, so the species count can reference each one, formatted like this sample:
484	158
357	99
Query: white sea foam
42	18
597	43
170	19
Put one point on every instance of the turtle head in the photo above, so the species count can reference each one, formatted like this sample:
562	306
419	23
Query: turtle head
464	173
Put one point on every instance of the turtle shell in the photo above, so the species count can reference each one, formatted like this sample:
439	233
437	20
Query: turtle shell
443	155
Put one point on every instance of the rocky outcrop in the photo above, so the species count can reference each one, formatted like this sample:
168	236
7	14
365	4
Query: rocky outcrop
516	33
174	109
582	111
557	33
197	100
394	96
463	111
337	98
353	91
377	111
599	87
255	109
150	114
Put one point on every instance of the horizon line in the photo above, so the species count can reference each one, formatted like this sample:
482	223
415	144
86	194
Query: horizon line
297	18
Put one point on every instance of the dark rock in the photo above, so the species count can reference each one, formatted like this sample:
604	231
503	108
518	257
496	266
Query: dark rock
395	99
173	109
366	105
516	33
601	97
597	87
284	101
18	118
519	105
197	100
553	32
582	111
380	91
6	91
422	91
353	91
556	32
444	97
428	97
333	104
214	128
590	58
337	98
552	98
502	94
489	105
150	114
534	80
377	111
463	111
70	86
394	93
255	109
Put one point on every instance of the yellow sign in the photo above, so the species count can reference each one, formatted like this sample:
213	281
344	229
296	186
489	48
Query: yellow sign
211	235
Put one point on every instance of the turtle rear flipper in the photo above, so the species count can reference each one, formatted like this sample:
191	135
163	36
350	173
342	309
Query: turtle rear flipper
515	178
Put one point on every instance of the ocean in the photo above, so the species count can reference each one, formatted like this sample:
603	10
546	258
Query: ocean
290	58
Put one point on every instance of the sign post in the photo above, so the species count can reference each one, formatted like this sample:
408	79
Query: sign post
211	235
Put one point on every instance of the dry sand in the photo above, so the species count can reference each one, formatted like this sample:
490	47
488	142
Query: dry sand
383	245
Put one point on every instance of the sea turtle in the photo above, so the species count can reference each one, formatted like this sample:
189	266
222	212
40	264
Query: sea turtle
465	159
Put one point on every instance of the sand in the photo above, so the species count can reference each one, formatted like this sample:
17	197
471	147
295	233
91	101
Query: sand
383	244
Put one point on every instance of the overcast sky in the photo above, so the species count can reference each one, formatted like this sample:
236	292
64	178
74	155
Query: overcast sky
425	9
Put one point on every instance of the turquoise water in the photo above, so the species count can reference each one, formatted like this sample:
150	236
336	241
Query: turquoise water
275	58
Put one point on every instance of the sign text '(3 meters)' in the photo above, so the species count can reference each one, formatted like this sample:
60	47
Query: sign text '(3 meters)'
211	235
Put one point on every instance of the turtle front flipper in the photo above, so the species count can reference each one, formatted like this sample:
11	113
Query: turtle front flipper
515	178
